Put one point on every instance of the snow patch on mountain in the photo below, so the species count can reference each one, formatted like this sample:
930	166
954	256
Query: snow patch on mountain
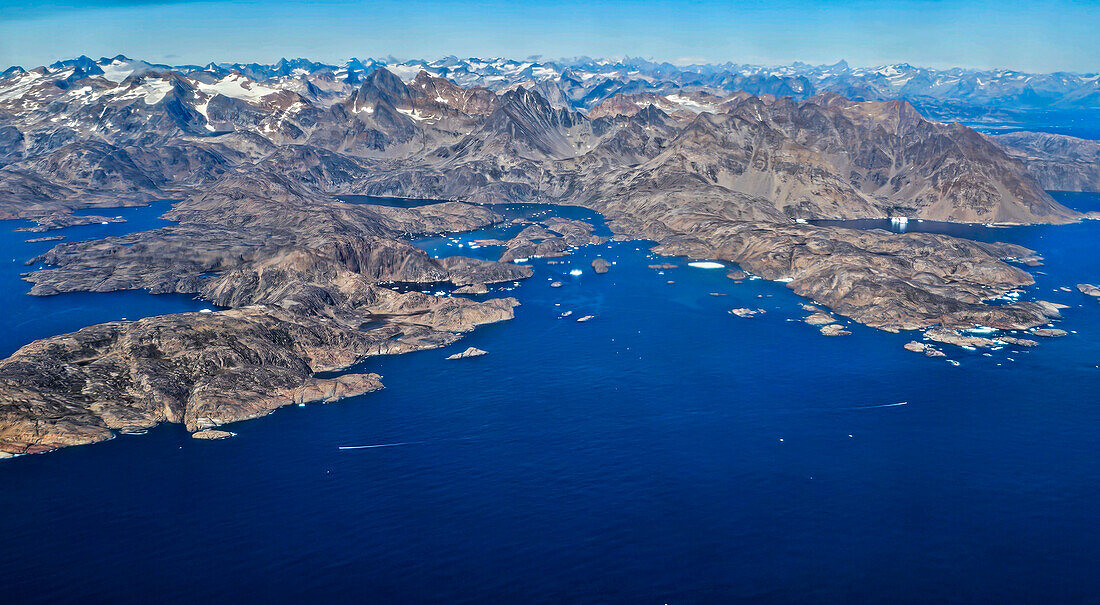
237	86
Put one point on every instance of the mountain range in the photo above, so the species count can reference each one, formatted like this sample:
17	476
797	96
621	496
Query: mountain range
709	162
583	83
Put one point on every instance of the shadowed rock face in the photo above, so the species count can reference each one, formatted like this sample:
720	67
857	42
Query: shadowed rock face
259	230
1056	161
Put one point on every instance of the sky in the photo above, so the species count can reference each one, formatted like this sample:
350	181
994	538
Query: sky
1037	36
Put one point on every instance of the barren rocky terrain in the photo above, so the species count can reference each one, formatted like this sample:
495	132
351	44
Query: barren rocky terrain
256	166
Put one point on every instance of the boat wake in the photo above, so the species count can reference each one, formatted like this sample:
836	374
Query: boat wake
402	443
884	405
377	445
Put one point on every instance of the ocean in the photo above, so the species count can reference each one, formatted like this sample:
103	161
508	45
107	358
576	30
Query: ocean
663	452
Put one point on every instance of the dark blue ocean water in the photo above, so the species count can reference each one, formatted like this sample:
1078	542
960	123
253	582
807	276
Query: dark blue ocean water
28	318
664	452
1080	123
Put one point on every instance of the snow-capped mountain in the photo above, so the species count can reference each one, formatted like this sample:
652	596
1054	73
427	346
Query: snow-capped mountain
582	83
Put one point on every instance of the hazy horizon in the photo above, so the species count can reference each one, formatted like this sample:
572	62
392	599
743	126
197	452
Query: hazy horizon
1040	37
389	59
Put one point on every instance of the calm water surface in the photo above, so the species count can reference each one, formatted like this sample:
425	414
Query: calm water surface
664	452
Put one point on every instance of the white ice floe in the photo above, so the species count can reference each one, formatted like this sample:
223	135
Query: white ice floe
575	272
706	264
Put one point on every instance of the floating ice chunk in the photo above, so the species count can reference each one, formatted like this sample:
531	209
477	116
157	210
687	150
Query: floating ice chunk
519	260
706	264
105	223
206	310
953	362
575	272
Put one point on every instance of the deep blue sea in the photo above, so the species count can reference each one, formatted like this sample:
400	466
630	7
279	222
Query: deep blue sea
663	452
1080	123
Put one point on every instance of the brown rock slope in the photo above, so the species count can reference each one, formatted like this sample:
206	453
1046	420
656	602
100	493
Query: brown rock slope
1056	161
209	369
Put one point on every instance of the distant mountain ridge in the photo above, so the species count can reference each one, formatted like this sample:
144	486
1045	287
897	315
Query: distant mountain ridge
583	83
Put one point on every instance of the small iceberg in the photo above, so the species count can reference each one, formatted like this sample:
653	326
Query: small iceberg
575	272
706	264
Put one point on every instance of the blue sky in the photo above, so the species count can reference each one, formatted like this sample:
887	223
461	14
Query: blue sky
1033	36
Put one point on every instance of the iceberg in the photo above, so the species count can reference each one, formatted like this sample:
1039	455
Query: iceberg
575	272
706	264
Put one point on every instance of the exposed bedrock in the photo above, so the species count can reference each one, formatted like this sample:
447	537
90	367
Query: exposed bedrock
888	281
209	369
